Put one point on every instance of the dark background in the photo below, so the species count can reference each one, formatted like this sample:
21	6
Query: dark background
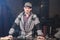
9	9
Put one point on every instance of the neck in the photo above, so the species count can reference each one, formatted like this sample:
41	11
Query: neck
27	14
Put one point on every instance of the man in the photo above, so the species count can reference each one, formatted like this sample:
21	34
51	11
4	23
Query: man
26	25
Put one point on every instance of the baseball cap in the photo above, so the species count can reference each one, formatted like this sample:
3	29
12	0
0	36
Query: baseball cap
28	4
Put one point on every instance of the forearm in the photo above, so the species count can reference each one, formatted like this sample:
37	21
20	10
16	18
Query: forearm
39	31
12	30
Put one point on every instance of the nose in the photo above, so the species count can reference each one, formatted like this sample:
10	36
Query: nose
27	9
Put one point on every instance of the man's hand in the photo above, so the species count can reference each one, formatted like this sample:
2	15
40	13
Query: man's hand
7	37
40	38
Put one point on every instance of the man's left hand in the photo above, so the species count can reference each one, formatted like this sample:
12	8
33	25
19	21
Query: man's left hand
40	38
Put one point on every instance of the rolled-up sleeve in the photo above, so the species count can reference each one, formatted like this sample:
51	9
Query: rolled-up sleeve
39	32
11	31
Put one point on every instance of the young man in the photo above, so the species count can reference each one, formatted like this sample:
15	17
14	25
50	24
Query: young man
26	25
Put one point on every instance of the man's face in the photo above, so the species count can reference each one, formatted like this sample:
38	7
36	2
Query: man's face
27	9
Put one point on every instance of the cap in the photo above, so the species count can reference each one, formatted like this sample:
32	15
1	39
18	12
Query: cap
28	4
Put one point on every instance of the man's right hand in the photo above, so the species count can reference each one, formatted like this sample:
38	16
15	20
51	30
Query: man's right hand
7	37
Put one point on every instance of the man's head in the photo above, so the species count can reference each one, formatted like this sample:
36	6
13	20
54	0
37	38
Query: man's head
27	7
